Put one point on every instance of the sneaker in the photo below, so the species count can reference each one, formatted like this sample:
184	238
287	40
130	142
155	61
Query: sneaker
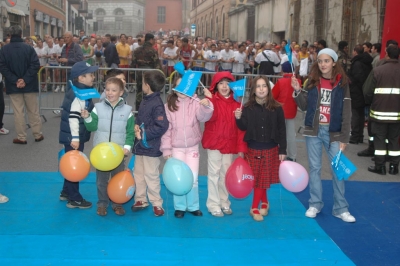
346	217
83	204
4	131
62	88
57	112
227	210
63	196
217	213
57	89
3	199
312	212
158	211
139	205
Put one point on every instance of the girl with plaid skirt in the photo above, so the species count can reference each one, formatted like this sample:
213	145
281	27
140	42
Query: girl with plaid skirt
264	122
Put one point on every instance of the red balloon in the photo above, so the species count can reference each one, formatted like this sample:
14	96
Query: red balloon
239	179
74	166
121	187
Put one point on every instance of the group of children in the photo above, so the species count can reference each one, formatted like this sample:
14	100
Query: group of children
256	132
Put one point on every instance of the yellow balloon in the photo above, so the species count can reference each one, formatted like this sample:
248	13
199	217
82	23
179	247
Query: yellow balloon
106	156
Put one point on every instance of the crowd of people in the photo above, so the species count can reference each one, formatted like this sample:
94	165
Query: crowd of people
338	90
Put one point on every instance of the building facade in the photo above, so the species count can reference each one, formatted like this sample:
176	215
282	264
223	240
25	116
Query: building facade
211	17
14	13
46	17
164	14
355	21
116	17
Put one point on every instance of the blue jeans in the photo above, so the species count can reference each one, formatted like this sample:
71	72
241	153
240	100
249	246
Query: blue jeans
314	150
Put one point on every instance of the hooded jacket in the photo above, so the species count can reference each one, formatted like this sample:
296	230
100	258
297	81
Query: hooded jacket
184	125
282	92
221	132
361	66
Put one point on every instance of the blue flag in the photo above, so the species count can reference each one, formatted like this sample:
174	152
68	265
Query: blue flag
189	83
180	67
238	88
144	137
288	51
85	94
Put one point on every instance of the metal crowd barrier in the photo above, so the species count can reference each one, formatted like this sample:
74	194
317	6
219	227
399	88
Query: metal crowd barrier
53	85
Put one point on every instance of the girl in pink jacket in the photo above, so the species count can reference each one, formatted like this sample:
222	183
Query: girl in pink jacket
182	139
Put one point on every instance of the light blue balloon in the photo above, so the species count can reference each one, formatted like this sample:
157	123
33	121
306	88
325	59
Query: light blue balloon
178	177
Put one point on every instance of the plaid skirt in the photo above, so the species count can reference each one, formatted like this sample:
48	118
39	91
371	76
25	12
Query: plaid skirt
265	166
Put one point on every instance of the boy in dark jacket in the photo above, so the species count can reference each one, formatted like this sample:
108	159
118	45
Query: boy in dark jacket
151	122
73	133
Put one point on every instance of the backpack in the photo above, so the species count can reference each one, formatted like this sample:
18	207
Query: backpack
267	67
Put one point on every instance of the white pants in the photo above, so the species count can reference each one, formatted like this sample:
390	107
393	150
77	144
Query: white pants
218	164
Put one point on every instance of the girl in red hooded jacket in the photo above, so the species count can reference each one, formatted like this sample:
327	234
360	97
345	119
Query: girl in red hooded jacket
222	139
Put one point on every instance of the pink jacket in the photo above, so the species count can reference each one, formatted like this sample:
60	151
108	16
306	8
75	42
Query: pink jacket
184	125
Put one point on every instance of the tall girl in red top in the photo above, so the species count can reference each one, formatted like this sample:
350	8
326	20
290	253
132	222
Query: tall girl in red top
263	119
222	139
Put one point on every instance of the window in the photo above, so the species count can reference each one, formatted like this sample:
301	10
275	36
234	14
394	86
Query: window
118	23
100	12
119	12
161	14
100	24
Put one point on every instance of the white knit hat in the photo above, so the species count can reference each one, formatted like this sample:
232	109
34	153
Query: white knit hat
329	52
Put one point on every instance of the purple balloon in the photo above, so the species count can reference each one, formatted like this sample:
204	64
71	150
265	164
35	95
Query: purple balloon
293	176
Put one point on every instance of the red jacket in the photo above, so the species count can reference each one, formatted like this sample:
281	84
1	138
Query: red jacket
283	93
221	132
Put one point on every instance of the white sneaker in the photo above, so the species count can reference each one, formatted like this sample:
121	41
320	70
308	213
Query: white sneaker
3	199
312	212
57	89
4	131
346	217
57	112
217	214
227	210
62	88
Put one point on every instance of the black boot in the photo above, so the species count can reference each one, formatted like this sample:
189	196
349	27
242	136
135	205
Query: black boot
380	170
368	152
393	169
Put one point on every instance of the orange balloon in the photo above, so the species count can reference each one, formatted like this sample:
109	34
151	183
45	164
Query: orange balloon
121	187
74	166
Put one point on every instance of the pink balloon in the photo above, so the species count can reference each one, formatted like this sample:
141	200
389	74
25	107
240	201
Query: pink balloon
239	179
293	176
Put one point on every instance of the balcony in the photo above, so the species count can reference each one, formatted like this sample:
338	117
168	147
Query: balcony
83	8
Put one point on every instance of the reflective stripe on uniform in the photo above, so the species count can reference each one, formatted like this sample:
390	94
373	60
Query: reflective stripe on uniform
380	152
385	113
394	116
394	153
387	91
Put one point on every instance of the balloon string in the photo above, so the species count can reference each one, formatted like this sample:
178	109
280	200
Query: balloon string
280	196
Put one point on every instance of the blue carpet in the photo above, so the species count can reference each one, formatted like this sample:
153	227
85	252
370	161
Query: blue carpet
37	229
375	237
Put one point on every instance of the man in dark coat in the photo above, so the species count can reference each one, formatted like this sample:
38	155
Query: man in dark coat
359	70
19	65
111	53
144	56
